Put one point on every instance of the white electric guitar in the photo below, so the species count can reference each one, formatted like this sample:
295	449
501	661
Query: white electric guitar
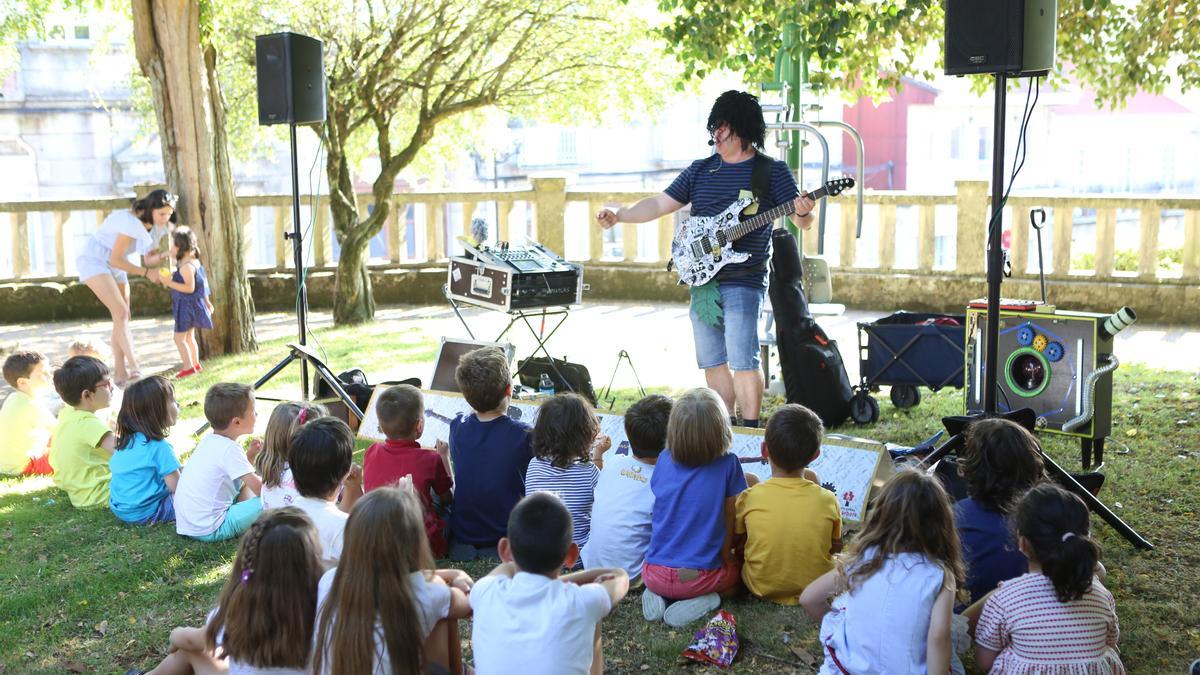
703	245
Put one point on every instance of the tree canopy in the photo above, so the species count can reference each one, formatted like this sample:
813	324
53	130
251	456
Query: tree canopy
866	47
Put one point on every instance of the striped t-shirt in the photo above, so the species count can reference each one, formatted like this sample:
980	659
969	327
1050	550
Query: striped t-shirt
712	184
1035	633
574	485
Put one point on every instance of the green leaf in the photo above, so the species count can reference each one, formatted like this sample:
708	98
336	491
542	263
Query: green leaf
706	302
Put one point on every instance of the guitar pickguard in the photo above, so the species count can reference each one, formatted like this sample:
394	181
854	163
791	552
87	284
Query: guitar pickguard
700	248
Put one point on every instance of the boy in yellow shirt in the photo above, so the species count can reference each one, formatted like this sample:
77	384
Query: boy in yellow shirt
82	443
25	423
788	527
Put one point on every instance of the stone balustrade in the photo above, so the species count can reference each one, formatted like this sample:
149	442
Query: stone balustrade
918	251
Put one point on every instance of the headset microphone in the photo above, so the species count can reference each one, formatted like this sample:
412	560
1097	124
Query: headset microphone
711	142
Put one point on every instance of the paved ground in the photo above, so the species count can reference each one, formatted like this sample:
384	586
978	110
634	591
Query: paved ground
656	336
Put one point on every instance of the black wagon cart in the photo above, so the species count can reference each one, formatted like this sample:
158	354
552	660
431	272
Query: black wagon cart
907	350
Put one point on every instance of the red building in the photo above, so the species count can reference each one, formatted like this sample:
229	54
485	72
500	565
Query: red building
884	131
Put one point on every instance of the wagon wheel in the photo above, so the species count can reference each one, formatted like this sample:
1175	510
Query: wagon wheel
864	409
905	396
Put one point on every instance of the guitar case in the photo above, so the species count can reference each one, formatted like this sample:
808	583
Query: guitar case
813	372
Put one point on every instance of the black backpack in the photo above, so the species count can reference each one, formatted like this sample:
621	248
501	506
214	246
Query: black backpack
813	372
577	377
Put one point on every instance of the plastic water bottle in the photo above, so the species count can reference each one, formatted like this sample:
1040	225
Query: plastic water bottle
545	385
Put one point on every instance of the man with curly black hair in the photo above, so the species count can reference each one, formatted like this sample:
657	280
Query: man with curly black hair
737	132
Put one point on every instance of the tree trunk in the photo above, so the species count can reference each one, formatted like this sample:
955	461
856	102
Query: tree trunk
354	301
191	122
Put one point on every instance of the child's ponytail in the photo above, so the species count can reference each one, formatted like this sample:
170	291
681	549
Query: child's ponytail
1056	525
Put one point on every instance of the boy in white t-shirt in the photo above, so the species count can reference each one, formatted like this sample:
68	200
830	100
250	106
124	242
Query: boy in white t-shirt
321	458
217	496
623	500
528	619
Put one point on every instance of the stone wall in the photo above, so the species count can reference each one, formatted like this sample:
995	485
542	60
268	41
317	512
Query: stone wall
1163	301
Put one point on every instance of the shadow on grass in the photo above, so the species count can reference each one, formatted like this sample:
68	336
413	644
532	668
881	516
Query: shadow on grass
79	588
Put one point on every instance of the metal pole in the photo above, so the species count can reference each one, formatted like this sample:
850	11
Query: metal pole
995	255
298	256
798	127
860	154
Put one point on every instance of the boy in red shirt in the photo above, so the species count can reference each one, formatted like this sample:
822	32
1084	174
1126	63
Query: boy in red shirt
401	413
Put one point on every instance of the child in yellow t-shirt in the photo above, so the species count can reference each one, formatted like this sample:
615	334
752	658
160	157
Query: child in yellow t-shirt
25	422
788	527
82	443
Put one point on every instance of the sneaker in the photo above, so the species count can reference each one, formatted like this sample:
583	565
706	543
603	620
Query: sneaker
653	605
681	613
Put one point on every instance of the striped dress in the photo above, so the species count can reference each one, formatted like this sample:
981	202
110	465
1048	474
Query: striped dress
574	485
1035	633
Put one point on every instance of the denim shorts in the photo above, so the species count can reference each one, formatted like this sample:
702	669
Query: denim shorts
165	513
735	339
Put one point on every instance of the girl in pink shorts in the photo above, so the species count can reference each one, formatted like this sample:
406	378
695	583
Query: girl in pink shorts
695	486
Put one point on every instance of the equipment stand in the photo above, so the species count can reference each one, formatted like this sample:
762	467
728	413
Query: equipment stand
995	277
621	356
300	351
539	336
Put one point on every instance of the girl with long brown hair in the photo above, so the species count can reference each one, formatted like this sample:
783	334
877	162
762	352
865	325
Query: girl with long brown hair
271	464
144	467
384	609
888	604
266	612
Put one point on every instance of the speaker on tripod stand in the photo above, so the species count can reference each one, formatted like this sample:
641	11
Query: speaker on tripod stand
1006	38
291	90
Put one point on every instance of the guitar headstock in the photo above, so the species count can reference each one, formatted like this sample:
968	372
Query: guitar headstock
838	185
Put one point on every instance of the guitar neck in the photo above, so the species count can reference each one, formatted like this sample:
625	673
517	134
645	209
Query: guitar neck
754	222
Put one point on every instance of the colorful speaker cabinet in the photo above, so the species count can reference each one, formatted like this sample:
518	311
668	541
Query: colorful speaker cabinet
1058	363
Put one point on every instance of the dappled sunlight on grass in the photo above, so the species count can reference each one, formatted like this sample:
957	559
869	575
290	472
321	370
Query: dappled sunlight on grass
64	572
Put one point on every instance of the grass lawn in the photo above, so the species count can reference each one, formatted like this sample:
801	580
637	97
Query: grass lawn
81	592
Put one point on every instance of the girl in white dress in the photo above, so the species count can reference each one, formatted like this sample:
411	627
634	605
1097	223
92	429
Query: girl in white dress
893	592
104	266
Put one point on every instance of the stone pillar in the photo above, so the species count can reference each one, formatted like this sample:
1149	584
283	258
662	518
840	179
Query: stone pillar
550	202
972	204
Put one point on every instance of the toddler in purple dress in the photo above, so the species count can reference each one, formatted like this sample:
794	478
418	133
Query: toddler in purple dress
189	298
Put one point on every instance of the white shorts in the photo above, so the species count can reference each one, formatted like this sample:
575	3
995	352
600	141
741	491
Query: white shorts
90	266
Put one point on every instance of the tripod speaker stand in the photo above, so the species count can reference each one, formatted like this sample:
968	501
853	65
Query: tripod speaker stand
291	89
995	277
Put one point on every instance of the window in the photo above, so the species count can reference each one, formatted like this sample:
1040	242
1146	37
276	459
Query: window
83	33
983	143
566	147
955	142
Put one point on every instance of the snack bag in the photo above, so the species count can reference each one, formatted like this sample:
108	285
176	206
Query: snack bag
716	643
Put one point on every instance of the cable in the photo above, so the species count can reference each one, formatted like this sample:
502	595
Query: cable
302	273
1021	151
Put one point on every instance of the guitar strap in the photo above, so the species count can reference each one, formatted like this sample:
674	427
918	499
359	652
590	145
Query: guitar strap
760	177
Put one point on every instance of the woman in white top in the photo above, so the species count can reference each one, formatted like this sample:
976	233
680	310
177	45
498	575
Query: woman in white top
104	266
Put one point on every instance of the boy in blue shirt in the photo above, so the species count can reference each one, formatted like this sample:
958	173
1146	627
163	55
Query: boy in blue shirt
489	452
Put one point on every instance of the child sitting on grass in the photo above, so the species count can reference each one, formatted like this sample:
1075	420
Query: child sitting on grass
266	612
26	423
322	454
1057	618
82	442
384	609
696	484
271	464
530	620
217	497
401	413
563	440
145	470
788	527
621	513
1001	461
888	605
490	452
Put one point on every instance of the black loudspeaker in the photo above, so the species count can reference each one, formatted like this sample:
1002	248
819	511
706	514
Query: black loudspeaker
291	79
984	36
1000	36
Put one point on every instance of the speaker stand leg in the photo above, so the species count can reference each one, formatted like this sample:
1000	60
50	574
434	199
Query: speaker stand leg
1085	453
